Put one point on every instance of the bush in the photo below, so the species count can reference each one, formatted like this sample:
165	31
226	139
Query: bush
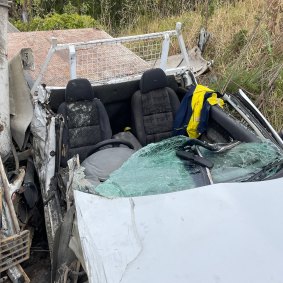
56	21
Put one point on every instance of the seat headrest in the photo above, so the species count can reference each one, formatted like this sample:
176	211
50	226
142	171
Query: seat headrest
78	90
153	79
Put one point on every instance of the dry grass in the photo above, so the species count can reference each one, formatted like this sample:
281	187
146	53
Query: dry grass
246	44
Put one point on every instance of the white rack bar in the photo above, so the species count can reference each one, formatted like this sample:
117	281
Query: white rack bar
130	57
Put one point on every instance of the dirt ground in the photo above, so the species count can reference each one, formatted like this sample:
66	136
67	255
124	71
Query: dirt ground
38	266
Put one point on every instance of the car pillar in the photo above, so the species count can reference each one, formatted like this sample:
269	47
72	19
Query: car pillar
5	138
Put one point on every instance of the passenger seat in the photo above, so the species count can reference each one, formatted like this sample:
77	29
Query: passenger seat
153	108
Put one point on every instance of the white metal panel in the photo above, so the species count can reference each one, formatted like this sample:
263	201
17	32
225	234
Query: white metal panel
219	233
182	43
73	63
165	51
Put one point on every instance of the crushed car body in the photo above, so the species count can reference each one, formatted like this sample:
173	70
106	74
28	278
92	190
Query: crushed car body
223	232
125	198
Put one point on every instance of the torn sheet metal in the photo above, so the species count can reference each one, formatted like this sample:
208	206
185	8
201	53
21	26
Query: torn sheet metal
21	109
197	64
220	233
39	131
112	242
44	137
44	146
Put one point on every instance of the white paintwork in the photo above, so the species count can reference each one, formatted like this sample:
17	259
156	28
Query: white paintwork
117	40
226	233
182	44
165	51
44	66
73	62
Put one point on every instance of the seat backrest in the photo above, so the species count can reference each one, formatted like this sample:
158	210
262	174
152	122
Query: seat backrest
85	120
153	108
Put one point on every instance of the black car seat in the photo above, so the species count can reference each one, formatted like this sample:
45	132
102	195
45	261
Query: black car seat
153	108
87	129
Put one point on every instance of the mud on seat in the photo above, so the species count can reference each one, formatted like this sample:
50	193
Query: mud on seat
86	128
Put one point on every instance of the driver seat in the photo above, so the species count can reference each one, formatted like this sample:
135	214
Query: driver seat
87	129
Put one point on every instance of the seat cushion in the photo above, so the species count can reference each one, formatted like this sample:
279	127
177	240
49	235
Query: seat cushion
102	163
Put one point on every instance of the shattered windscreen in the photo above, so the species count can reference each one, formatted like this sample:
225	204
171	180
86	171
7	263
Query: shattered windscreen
242	161
155	169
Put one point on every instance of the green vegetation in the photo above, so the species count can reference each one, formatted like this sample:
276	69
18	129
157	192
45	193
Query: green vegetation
245	44
56	21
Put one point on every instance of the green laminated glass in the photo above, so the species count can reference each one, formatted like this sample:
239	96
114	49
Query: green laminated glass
242	161
155	169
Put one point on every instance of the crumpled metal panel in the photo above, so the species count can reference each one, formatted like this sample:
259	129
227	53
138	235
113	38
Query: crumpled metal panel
219	233
112	242
197	64
21	109
44	147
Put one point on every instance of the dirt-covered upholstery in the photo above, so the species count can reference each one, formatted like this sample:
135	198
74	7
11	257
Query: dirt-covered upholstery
86	125
86	121
153	108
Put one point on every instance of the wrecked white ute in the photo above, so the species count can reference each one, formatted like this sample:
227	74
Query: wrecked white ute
220	233
145	223
121	193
